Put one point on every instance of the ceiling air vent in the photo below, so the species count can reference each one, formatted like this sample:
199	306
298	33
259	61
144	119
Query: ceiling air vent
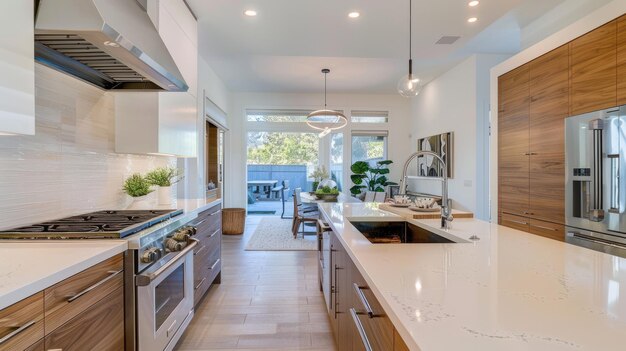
447	40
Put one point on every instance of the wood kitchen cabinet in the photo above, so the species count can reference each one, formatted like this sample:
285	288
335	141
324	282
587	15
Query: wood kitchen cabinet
207	254
593	70
533	105
621	60
82	312
548	87
513	140
348	297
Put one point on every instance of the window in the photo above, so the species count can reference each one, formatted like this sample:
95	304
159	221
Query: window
336	159
368	146
277	115
359	116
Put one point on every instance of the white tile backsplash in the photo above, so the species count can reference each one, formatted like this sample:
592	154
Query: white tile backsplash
69	166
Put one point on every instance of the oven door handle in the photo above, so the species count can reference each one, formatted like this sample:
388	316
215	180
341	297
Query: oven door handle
147	278
597	241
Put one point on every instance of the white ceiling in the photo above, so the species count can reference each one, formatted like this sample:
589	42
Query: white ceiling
284	48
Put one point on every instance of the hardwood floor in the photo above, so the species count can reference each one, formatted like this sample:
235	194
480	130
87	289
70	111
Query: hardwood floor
267	301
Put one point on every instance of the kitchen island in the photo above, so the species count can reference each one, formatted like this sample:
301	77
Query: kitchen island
508	290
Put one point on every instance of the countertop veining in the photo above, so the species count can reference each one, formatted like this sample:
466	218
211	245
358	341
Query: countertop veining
509	290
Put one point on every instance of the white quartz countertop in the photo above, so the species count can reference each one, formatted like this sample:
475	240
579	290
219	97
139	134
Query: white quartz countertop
509	290
191	205
27	268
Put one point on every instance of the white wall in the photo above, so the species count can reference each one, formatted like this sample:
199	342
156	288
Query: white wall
399	129
458	102
593	20
70	166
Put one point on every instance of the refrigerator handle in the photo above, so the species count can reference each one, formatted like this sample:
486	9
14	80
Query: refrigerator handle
597	213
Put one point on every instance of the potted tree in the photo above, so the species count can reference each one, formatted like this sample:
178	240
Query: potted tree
368	178
164	178
137	187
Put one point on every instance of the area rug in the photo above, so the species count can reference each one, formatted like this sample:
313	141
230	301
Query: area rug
274	234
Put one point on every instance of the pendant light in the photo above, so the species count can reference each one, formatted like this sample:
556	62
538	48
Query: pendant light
326	120
409	85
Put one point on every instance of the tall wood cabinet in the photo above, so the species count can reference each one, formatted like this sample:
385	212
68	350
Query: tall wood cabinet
533	103
584	75
593	70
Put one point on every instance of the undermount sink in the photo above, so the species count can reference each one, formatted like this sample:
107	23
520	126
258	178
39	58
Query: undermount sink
398	233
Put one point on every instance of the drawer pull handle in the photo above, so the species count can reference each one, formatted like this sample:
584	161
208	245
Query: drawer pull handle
200	223
517	222
199	250
542	227
359	327
364	302
215	213
215	232
112	275
200	284
215	264
16	332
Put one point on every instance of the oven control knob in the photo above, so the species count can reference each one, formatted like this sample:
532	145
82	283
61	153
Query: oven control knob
173	245
151	255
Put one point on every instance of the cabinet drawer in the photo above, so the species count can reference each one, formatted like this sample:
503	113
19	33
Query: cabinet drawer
69	298
515	222
38	346
99	327
21	324
547	229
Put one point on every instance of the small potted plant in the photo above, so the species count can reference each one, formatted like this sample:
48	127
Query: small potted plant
137	187
164	178
368	178
318	175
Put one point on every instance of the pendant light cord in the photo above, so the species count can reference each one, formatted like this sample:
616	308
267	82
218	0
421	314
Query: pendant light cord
325	90
410	29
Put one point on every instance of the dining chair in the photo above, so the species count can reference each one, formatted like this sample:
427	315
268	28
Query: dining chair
301	214
283	197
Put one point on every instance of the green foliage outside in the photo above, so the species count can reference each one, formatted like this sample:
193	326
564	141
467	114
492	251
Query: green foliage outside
163	176
136	185
282	148
370	178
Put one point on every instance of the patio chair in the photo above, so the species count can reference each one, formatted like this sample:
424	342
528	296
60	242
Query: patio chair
301	214
283	198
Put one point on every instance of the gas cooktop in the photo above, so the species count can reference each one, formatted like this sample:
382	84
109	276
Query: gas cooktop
95	225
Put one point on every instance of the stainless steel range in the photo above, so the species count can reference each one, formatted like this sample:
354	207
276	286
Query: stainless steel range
158	267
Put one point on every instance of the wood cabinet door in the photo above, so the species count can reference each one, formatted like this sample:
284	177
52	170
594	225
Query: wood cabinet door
621	60
513	141
593	70
22	323
549	96
515	222
100	327
547	229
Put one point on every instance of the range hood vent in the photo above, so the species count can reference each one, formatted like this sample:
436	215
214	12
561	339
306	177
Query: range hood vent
111	44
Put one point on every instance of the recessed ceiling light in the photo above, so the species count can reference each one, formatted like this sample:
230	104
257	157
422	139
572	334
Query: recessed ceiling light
249	13
474	3
354	14
111	44
472	19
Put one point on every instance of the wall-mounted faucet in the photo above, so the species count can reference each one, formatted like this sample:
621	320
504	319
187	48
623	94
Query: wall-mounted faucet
446	211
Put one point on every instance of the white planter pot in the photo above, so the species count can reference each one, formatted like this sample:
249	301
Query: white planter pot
140	203
164	195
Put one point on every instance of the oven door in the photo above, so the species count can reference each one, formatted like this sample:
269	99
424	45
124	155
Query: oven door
165	300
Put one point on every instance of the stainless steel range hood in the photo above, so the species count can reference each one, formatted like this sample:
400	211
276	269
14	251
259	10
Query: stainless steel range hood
111	44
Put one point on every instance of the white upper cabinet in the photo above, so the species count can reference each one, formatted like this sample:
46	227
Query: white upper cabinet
157	124
17	67
179	31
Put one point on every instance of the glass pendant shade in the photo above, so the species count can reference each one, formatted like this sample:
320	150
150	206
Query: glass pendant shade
409	86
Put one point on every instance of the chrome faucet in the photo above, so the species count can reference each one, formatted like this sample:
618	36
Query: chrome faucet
446	211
